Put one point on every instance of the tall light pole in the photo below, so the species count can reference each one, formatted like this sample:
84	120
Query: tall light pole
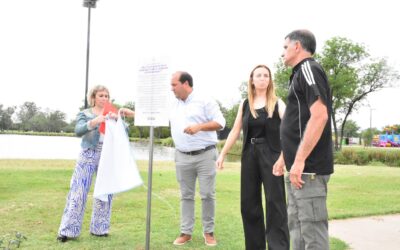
370	118
89	4
370	123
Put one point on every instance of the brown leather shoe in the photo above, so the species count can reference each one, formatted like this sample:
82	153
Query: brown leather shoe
209	239
182	239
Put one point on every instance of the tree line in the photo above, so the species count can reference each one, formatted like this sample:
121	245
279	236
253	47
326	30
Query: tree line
352	73
30	117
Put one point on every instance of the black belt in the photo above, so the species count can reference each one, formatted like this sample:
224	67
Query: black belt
258	140
197	152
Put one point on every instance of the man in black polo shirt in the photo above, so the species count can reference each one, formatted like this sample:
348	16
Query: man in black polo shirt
306	143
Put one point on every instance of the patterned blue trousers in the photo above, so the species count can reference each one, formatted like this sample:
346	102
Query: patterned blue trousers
71	222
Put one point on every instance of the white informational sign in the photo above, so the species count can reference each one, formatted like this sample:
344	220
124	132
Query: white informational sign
153	91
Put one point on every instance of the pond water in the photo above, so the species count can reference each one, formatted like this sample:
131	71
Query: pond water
59	147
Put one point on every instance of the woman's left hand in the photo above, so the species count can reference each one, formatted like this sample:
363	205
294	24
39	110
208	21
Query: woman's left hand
127	112
279	167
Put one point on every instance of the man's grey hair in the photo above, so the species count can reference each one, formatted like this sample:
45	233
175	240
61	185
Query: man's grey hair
306	39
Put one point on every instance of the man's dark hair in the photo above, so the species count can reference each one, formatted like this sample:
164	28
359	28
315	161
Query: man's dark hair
306	39
185	76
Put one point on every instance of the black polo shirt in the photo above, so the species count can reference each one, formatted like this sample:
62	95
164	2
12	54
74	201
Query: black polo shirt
307	82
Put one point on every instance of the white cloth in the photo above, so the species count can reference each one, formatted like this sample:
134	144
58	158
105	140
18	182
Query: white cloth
117	171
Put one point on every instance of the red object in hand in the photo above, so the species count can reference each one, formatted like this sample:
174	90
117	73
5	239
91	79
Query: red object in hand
108	107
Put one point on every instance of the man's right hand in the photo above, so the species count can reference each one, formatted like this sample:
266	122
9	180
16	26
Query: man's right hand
193	129
295	174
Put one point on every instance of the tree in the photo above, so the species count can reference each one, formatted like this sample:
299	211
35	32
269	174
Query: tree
367	136
281	80
351	129
229	114
396	128
243	90
32	119
37	123
352	75
133	131
5	117
56	121
27	111
70	127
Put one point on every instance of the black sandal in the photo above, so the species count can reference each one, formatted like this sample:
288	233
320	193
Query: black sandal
99	235
62	238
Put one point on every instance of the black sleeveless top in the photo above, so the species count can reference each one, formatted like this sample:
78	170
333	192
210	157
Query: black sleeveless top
262	127
256	126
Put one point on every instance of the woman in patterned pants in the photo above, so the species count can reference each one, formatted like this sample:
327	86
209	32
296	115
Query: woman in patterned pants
87	126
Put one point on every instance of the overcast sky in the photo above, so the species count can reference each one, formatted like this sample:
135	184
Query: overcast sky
43	45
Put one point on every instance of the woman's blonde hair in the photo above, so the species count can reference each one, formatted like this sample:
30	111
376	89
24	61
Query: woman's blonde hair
271	96
91	96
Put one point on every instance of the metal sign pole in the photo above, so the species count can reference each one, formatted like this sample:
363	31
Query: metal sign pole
151	111
149	187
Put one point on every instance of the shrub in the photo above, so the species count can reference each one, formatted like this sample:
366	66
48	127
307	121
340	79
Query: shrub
17	132
339	158
168	142
348	155
236	149
363	156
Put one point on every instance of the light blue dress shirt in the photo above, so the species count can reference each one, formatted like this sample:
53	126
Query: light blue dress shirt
195	109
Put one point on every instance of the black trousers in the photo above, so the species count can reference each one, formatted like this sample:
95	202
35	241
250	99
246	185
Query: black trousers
256	171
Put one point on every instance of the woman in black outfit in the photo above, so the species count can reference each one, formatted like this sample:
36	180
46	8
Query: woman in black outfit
260	117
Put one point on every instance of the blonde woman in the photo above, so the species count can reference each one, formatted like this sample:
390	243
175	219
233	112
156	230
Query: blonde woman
260	115
87	125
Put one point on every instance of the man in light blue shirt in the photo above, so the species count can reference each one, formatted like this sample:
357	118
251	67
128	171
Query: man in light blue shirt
194	120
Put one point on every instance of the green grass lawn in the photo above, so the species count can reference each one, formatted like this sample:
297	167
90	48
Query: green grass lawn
33	192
